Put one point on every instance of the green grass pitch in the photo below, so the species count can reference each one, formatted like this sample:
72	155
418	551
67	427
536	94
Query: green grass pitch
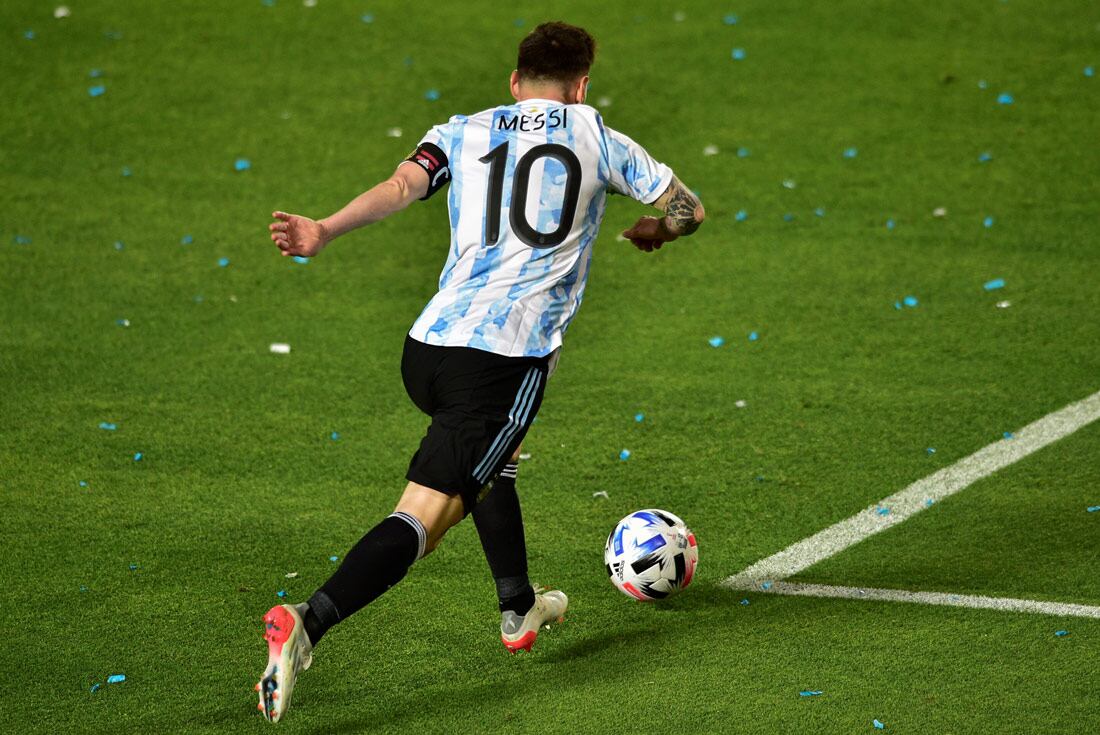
160	569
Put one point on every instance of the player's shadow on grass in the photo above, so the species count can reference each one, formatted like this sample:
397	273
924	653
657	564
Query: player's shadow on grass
583	658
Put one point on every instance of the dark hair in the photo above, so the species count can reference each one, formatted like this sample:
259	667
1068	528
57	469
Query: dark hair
556	52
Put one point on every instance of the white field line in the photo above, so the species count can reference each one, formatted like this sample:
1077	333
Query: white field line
936	598
919	496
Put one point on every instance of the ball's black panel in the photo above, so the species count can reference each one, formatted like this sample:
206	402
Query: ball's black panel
643	563
681	568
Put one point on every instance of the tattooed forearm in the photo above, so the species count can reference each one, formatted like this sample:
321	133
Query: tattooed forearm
683	210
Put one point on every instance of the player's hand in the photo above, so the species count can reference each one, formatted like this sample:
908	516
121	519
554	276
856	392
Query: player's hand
297	235
649	234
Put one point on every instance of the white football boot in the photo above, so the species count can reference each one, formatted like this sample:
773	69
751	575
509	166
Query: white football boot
518	632
288	652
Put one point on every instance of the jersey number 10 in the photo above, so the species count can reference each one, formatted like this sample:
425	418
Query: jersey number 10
497	159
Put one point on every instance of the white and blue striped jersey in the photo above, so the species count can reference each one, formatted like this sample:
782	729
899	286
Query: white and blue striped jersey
529	183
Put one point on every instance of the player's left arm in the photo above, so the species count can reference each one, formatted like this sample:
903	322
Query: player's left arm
683	215
298	235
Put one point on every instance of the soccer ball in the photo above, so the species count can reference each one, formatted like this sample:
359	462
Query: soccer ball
650	555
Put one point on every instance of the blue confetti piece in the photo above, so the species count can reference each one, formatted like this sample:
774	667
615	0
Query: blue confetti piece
820	211
122	322
716	341
1004	98
882	510
1009	435
83	483
223	262
281	593
242	164
269	3
624	455
910	301
133	567
187	240
29	35
988	222
334	558
985	157
639	417
890	224
788	217
851	152
83	588
741	215
929	503
994	284
95	687
743	153
116	678
878	725
126	171
335	436
930	450
811	693
1092	509
21	240
753	336
897	305
738	54
107	426
766	586
367	17
745	601
730	19
96	91
1061	633
518	22
95	73
301	260
431	95
1089	71
119	245
138	456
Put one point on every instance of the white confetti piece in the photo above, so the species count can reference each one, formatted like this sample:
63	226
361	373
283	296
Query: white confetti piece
710	150
394	132
280	348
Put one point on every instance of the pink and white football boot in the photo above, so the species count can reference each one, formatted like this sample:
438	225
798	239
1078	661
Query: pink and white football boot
518	632
288	652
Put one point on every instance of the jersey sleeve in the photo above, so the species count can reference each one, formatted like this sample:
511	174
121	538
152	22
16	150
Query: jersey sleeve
633	172
431	155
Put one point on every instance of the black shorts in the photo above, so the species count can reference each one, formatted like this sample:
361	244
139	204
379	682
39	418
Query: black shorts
481	406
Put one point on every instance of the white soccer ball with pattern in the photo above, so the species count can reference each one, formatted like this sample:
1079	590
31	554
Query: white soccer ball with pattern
650	555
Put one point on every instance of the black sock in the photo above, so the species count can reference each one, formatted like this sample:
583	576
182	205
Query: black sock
378	562
500	526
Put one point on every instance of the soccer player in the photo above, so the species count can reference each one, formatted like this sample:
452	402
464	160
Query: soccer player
528	185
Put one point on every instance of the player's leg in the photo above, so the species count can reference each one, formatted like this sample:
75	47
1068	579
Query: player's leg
383	556
380	559
499	522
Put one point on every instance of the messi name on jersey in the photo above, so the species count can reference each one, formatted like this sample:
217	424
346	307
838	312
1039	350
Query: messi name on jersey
556	118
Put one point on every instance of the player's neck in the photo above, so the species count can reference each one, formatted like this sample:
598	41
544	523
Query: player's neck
553	94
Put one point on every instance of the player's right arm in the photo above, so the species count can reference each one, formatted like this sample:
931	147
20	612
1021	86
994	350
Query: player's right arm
683	215
298	235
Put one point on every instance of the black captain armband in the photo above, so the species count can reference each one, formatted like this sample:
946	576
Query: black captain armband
433	160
